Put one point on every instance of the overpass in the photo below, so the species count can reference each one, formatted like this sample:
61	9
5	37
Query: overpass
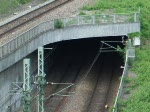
73	28
48	32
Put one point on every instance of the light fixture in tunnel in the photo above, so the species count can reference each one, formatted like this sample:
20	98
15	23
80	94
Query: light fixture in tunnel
121	66
48	48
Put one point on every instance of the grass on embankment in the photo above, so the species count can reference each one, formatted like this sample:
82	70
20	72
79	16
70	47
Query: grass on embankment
7	5
139	101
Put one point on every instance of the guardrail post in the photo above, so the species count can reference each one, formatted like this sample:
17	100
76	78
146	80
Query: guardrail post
114	19
0	52
135	17
64	21
3	49
53	23
139	9
78	20
93	19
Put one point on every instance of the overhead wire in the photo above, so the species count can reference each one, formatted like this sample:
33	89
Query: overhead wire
92	64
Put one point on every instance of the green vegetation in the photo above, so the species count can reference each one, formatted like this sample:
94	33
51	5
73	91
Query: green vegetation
71	22
23	1
7	5
139	101
82	13
132	35
58	23
125	6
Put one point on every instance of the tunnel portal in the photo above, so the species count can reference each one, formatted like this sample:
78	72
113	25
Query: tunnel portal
92	65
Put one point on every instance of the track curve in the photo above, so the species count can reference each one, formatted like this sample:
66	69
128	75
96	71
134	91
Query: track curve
98	89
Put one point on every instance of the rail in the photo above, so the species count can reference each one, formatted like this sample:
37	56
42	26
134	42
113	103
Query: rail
32	33
26	16
25	13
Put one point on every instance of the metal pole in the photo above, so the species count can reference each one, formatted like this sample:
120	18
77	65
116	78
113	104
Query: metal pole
114	19
135	17
40	80
26	86
78	19
129	43
93	19
65	21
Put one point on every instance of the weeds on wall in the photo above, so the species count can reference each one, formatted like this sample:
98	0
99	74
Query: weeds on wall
58	23
122	52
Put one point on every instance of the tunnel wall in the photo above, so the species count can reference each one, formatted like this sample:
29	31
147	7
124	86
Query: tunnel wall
74	32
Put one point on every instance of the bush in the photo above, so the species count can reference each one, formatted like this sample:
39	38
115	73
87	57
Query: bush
58	23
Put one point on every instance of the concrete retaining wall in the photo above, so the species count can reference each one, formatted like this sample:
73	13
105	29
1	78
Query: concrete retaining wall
12	74
11	102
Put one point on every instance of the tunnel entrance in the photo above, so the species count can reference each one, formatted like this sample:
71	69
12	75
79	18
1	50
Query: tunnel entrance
94	73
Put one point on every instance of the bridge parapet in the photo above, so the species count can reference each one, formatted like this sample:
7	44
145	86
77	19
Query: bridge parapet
102	19
32	33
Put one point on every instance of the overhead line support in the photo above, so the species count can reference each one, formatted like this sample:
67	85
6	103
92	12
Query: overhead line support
27	98
40	80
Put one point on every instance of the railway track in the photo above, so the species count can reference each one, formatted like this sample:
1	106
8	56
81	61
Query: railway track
84	89
100	93
99	96
98	89
30	17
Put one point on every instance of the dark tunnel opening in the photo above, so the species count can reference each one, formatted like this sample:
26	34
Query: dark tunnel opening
86	46
94	73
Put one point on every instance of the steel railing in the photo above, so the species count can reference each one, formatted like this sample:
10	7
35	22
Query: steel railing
120	89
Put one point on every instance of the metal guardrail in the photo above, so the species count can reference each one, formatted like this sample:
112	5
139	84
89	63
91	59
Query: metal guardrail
120	89
32	33
131	52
